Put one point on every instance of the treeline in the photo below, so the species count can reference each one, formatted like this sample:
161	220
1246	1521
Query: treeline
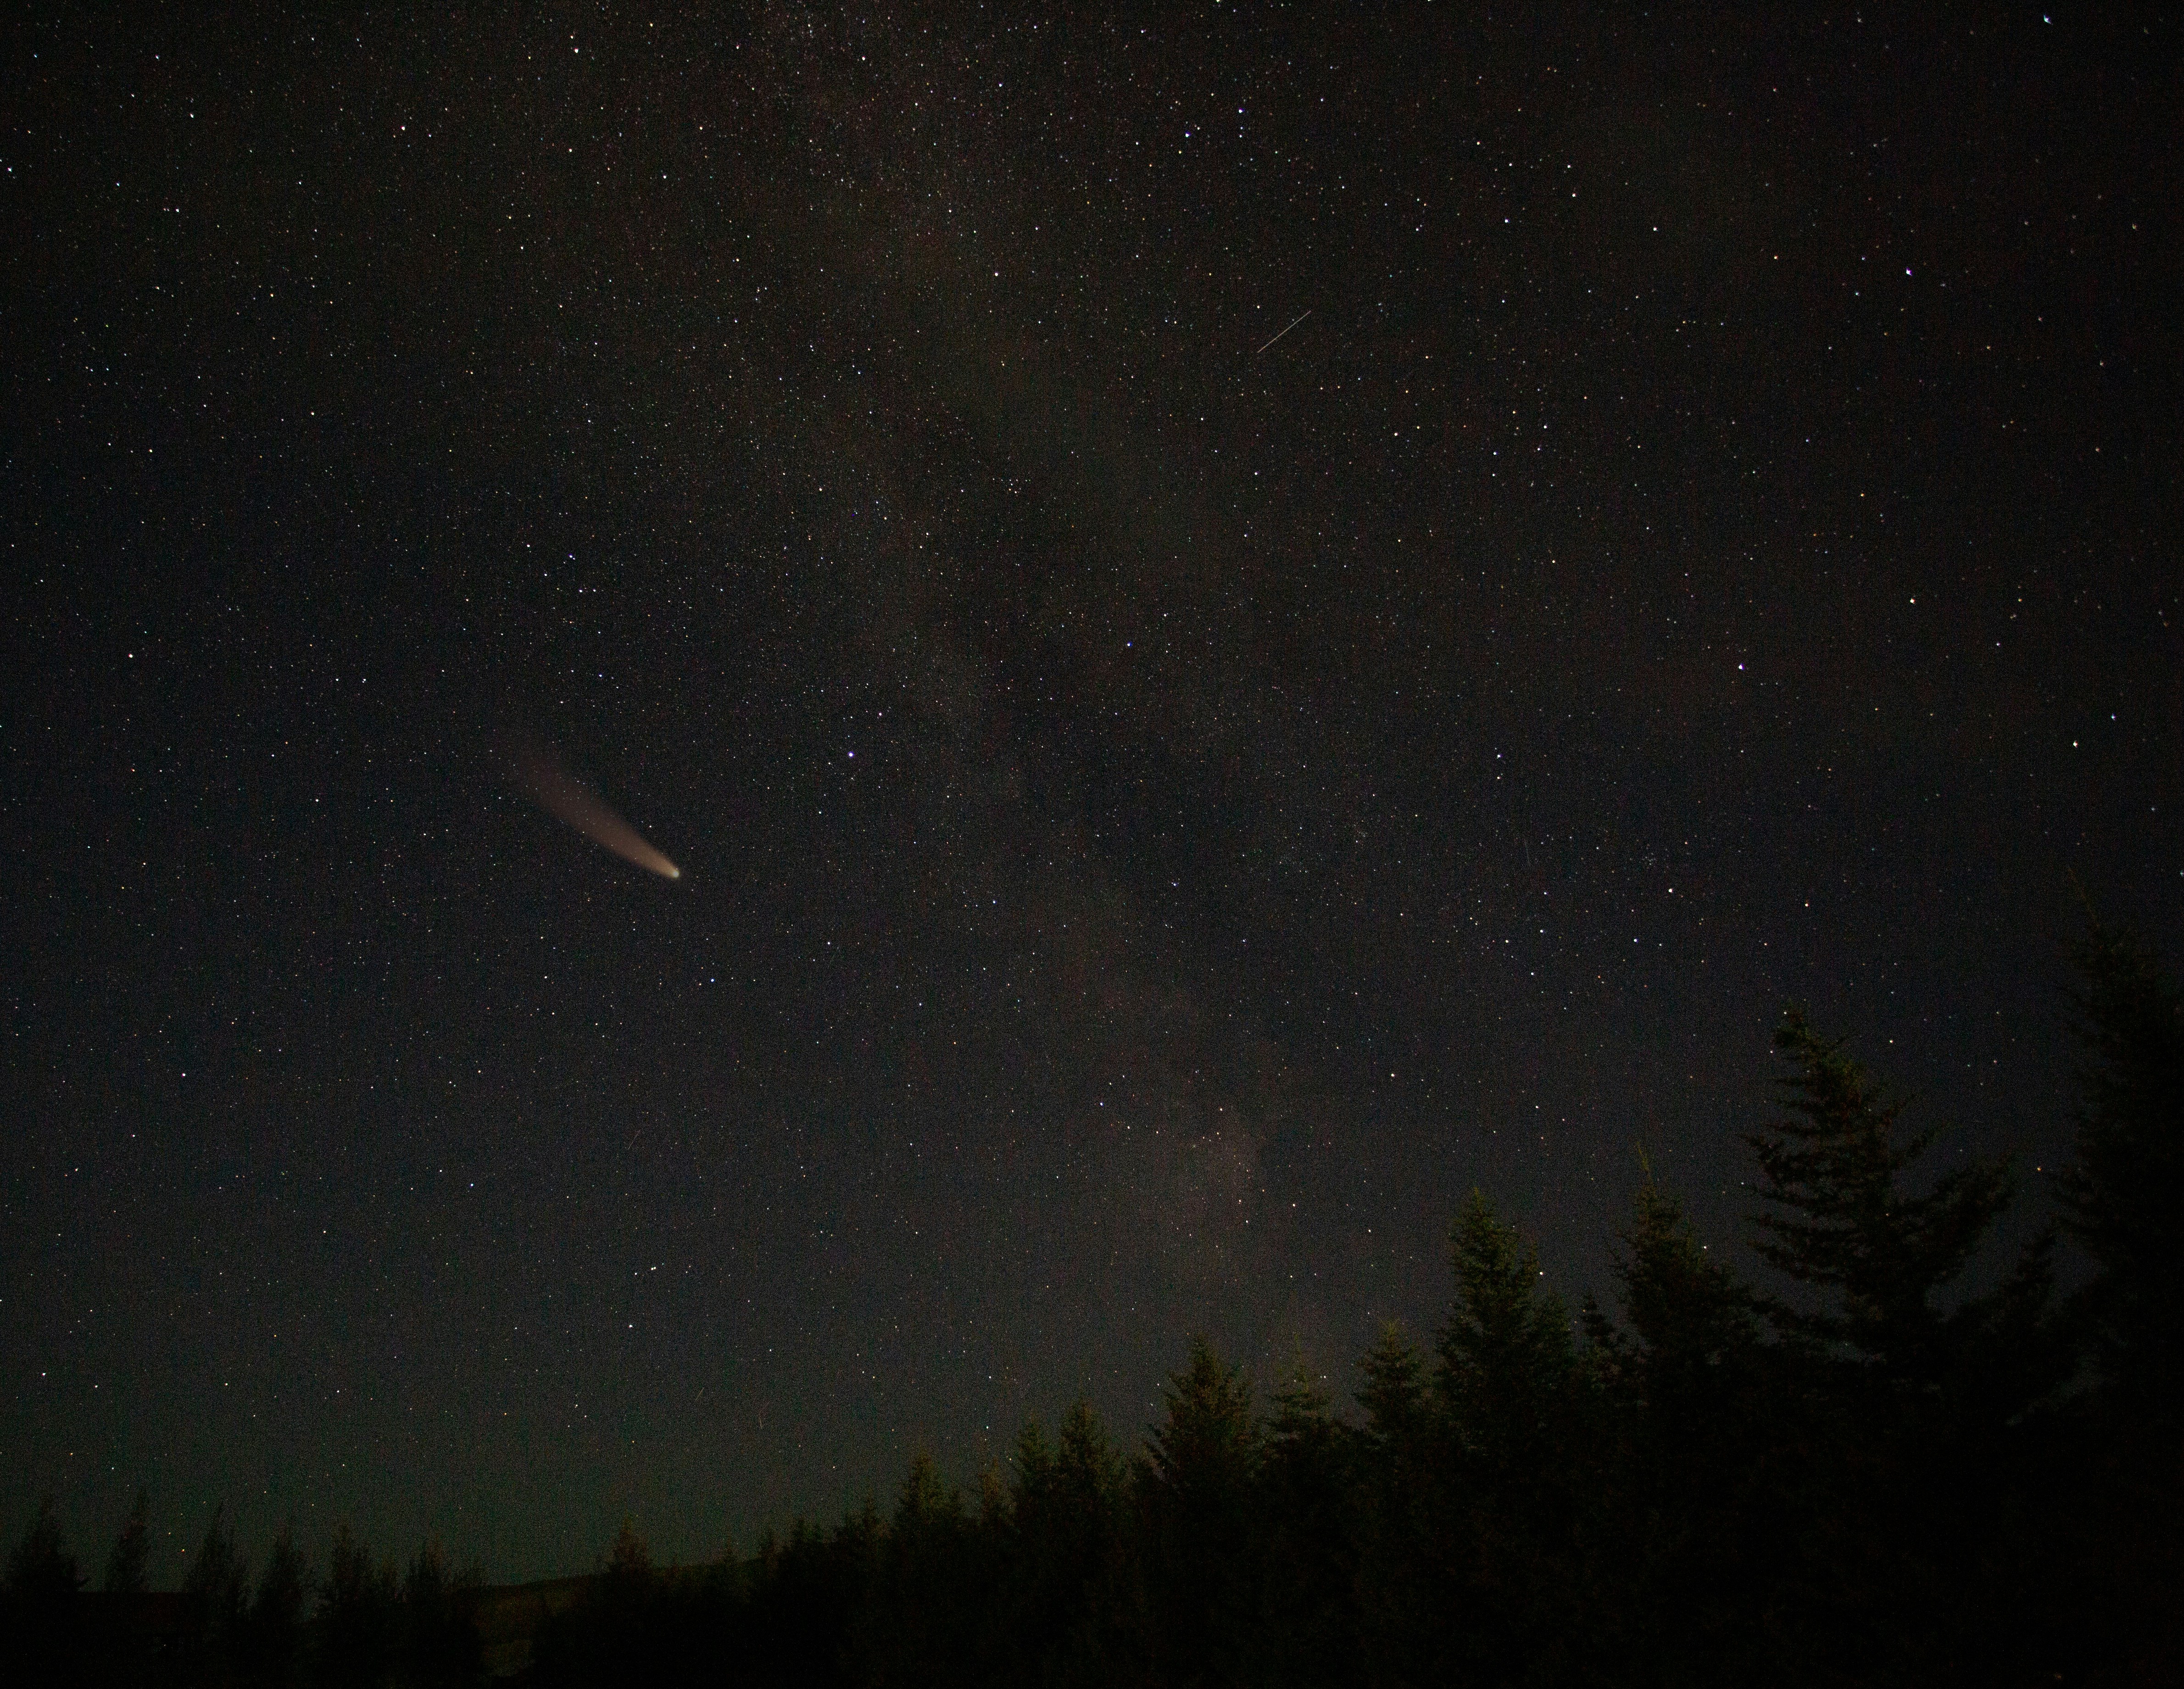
1866	1475
359	1624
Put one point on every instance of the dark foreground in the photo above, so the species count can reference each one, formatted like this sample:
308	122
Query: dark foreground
1874	1478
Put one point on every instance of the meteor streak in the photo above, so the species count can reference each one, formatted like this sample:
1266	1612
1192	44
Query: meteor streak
1293	322
562	795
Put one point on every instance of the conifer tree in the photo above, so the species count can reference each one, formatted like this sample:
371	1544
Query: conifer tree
1066	1541
272	1630
1406	1514
439	1640
125	1565
40	1570
41	1634
122	1647
1889	1392
1690	1315
1841	1218
214	1592
1197	1479
2125	1194
926	1503
1208	1444
2119	1544
358	1616
1691	1535
1506	1355
924	1619
1509	1380
612	1630
1304	1439
1394	1395
1309	1623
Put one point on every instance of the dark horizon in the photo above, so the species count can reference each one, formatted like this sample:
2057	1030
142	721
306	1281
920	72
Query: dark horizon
1915	1458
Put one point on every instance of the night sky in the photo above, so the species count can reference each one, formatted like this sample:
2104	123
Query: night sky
1236	626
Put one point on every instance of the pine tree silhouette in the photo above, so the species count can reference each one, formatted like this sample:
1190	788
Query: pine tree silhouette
1196	1479
2124	1194
1842	1219
125	1565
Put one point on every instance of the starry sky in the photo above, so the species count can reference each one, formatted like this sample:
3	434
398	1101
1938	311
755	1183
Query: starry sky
1238	621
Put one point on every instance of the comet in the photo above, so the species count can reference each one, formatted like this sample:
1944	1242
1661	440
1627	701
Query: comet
542	779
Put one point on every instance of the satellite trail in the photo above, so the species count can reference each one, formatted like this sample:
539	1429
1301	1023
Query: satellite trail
1292	323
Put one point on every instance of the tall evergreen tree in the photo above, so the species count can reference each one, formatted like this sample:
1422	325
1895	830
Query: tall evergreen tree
125	1565
613	1630
1842	1219
2124	1196
2119	1544
1892	1396
1067	1543
271	1637
928	1503
1697	1519
1407	1512
1690	1314
1197	1479
40	1570
1398	1409
804	1596
1506	1354
439	1645
1509	1382
215	1598
124	1648
1309	1620
40	1616
922	1623
358	1615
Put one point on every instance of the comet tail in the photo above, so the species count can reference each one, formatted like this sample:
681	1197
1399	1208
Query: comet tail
554	791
